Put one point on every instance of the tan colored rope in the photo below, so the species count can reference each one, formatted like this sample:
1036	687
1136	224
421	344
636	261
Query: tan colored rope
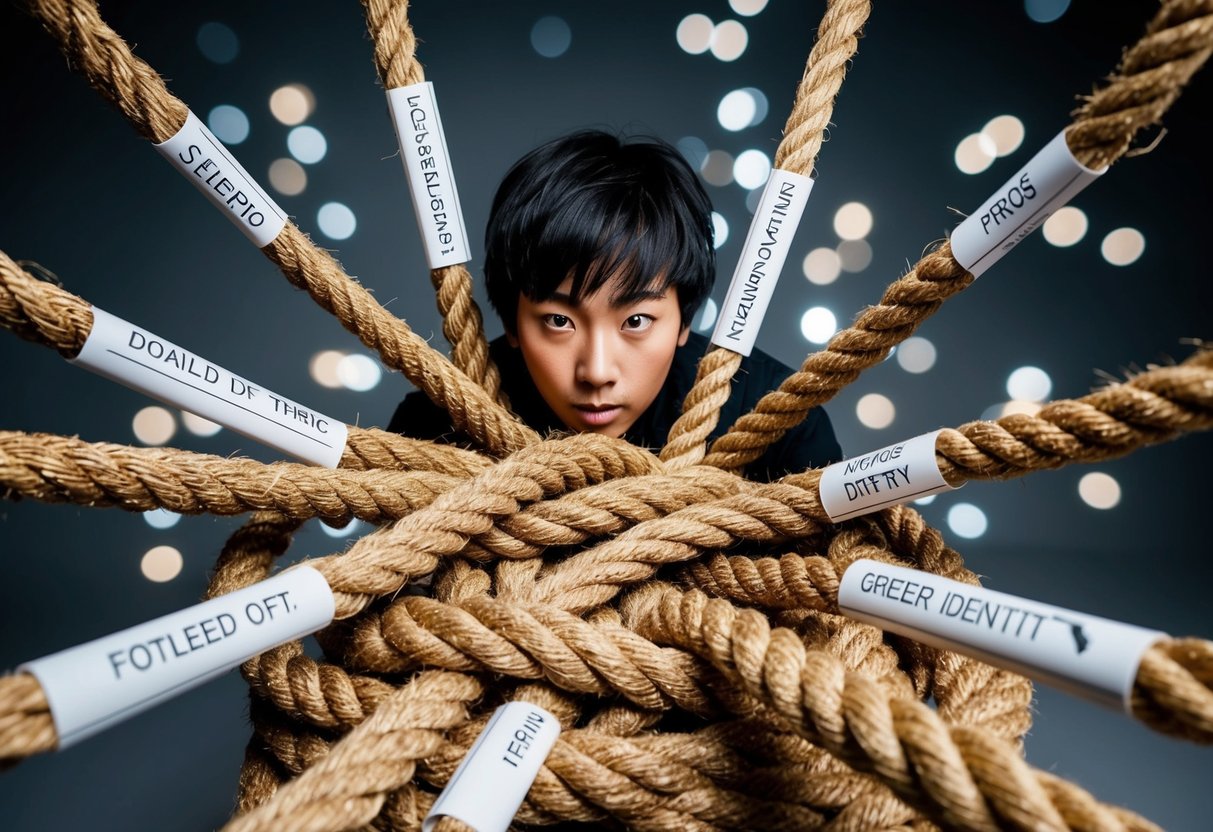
837	42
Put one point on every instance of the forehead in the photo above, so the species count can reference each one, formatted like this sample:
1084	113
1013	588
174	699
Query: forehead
614	293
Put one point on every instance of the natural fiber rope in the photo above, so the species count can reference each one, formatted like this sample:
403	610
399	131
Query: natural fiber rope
837	42
134	87
1151	77
396	61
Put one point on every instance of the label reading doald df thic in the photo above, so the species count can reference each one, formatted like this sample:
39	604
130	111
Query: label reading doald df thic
872	481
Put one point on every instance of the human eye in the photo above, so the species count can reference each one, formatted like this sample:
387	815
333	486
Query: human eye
557	321
638	323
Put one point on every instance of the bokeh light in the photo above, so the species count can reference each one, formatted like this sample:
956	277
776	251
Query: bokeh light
854	255
288	177
161	564
199	426
551	36
694	33
229	124
1065	227
323	368
751	169
217	43
875	411
916	354
717	168
358	372
967	520
1099	490
154	425
336	221
822	266
705	318
818	325
1029	384
161	518
1006	132
729	40
307	144
853	221
720	229
292	104
1123	246
975	153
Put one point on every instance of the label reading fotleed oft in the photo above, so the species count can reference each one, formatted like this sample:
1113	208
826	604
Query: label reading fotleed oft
896	474
138	359
762	258
1092	657
1047	182
427	164
493	779
93	686
203	160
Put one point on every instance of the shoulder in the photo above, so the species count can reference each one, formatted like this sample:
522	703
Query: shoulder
419	418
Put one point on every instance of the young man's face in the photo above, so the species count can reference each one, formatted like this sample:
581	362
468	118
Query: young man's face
596	364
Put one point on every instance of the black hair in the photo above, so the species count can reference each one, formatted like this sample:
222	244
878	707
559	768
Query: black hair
597	208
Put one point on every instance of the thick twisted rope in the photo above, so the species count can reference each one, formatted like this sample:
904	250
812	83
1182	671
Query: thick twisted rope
134	88
837	42
1151	76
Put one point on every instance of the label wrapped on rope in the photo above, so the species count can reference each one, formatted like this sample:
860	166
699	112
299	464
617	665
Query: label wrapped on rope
762	258
1091	657
124	353
1047	182
493	779
204	161
427	164
876	480
95	685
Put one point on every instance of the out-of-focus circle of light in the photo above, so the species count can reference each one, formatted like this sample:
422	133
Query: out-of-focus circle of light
1065	227
729	40
551	36
717	168
323	368
747	8
1123	246
967	520
694	150
336	220
925	501
853	221
292	104
705	318
345	531
694	34
975	153
161	518
1006	132
288	177
720	230
358	372
916	354
751	169
1099	490
736	110
217	43
875	411
228	123
821	266
1029	384
199	426
307	144
161	564
1045	11
1015	406
854	255
761	105
818	325
752	199
154	425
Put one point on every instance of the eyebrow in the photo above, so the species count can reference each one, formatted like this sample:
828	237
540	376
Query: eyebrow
618	303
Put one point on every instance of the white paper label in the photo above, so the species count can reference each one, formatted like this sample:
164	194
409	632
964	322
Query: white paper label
135	357
93	686
204	161
427	164
762	258
1092	657
876	480
1047	182
493	779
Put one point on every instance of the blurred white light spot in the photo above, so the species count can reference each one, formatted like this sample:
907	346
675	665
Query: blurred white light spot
307	144
821	266
161	564
967	520
228	123
1029	384
761	105
729	40
747	8
717	168
1123	246
916	355
705	318
217	43
975	153
853	221
337	221
694	33
357	372
1006	132
1065	227
854	255
288	177
875	411
323	368
199	426
1022	408
161	518
1045	11
818	325
736	111
551	36
1099	490
925	501
720	230
752	199
693	150
154	425
348	529
751	169
292	104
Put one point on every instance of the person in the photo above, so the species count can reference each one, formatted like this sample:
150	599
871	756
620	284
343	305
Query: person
598	254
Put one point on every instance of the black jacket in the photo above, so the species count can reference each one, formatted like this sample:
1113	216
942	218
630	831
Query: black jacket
811	444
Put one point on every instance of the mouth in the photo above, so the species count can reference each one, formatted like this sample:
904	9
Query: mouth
598	414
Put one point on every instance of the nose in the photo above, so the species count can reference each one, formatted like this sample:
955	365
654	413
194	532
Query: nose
597	364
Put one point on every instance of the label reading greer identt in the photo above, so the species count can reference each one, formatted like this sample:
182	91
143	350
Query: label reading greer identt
95	685
493	779
204	161
427	164
1047	182
140	360
762	258
896	474
1086	655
